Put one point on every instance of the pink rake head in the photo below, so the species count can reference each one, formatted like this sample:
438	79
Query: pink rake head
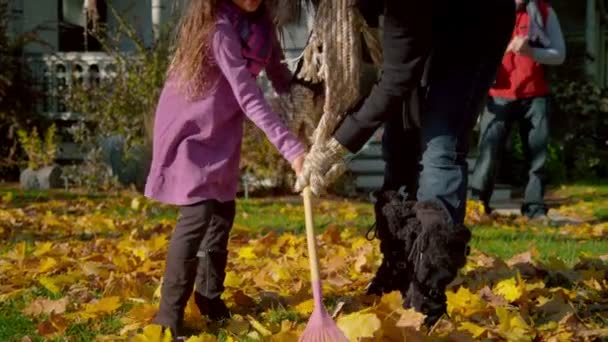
321	327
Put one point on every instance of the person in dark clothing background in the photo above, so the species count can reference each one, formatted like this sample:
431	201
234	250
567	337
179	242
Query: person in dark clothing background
424	242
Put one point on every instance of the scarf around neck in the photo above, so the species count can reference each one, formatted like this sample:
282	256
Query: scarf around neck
255	31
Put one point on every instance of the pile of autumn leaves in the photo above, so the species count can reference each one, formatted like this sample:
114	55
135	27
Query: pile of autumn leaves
97	264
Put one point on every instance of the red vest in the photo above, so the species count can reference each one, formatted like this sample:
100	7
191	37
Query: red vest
519	76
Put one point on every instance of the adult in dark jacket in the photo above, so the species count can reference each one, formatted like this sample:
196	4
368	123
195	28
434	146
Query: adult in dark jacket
425	245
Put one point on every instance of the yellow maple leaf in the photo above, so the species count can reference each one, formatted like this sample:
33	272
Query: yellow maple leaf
42	249
50	285
279	273
359	325
140	314
475	330
305	308
513	326
293	252
158	242
465	302
509	289
47	265
247	253
534	286
358	242
102	307
284	336
393	300
202	338
153	333
232	280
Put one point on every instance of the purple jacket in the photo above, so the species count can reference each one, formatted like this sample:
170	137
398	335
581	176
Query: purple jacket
197	144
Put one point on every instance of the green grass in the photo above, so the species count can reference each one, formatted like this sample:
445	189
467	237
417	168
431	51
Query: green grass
504	244
583	192
266	215
13	324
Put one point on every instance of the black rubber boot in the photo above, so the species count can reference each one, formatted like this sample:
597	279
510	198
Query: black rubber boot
440	250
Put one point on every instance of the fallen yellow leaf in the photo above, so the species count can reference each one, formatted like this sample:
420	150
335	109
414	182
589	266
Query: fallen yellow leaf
475	330
305	308
47	265
464	302
509	289
50	285
102	307
512	326
358	326
247	253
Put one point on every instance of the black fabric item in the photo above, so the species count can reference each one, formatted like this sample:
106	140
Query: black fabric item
407	34
211	273
412	29
440	250
214	308
371	11
176	289
396	227
431	302
401	151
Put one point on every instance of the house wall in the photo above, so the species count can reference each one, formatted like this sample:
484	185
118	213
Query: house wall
40	16
43	16
138	13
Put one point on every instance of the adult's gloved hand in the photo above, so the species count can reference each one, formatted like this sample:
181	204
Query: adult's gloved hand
322	166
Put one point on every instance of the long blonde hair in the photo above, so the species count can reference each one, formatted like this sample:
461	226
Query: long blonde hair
193	59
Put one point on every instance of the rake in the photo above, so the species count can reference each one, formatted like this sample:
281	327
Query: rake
321	326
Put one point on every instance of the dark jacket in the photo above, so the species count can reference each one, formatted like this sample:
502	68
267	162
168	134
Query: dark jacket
407	36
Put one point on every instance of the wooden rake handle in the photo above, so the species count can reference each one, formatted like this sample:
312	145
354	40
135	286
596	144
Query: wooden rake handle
310	236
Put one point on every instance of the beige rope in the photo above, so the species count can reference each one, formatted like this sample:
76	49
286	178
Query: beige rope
334	56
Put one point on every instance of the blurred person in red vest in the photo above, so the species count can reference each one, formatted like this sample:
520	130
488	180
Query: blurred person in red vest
520	95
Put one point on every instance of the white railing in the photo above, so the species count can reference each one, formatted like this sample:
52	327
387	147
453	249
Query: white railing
53	74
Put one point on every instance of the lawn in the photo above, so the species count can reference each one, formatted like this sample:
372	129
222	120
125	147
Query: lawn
78	267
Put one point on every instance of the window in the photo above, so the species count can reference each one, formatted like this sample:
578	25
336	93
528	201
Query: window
72	22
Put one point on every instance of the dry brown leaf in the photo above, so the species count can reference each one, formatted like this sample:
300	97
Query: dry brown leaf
46	306
411	319
241	299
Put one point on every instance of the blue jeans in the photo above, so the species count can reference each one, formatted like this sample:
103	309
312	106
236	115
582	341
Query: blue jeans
496	124
459	80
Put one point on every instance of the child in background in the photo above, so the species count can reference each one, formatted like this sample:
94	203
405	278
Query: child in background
222	46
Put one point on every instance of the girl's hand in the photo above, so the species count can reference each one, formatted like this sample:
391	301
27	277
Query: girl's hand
298	164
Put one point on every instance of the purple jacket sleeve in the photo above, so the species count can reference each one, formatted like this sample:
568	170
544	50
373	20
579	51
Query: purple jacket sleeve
278	73
229	58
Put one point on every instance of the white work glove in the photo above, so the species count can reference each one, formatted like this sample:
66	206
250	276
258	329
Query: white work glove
322	166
